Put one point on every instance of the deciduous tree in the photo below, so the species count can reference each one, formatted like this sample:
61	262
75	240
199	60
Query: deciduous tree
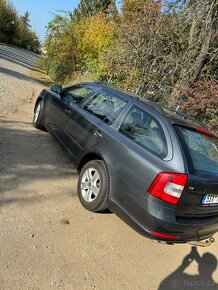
87	8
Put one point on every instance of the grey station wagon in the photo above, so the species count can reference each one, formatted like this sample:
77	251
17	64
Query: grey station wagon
155	168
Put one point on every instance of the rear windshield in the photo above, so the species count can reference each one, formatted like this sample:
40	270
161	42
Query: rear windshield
201	151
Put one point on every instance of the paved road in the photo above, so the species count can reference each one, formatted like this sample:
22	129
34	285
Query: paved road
48	241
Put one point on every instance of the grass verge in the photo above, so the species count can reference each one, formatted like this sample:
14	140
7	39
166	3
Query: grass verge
40	74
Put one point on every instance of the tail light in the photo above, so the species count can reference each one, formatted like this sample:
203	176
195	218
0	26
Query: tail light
168	186
165	236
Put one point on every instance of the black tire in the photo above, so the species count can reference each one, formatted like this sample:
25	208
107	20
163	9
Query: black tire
38	121
99	203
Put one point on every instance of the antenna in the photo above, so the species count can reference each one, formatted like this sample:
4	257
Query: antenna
109	81
138	89
177	108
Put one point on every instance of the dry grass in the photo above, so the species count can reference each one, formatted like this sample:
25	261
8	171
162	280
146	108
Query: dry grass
40	73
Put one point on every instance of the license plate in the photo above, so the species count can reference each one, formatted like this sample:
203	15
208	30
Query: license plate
210	199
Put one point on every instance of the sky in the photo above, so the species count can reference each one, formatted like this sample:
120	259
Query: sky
42	11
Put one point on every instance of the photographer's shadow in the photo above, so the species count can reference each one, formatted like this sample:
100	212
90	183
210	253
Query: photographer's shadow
207	264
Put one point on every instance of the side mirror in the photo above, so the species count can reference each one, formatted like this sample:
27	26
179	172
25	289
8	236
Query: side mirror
56	89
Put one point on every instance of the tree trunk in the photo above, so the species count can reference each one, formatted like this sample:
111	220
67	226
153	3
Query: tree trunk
189	75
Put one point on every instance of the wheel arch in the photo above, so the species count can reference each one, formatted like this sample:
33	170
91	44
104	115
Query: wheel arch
39	99
87	158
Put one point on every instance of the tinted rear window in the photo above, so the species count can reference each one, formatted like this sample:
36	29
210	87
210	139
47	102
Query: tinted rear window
201	151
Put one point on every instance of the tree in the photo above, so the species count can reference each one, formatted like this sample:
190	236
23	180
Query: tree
61	47
96	41
26	18
201	21
150	47
15	29
8	20
87	8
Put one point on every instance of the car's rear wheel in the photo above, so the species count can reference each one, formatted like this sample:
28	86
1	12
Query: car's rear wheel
38	118
93	186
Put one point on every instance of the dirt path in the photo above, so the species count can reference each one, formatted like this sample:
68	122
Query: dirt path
48	241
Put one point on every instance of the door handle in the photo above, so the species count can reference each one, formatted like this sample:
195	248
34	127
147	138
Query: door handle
67	110
97	133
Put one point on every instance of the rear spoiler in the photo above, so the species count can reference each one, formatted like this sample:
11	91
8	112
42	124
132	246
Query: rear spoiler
197	129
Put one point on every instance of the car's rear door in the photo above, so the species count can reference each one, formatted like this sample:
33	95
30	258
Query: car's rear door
85	125
200	199
139	149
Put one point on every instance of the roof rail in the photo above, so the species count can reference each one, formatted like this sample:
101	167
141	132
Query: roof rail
150	103
116	88
153	105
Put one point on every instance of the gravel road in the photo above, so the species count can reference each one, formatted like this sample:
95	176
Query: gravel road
15	83
48	241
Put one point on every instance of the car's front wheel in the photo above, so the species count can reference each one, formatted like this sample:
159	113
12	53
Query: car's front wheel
93	186
38	118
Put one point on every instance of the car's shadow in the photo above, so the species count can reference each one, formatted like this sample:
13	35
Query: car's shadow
17	75
28	156
107	211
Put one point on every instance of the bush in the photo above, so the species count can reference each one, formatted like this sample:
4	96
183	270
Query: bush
201	102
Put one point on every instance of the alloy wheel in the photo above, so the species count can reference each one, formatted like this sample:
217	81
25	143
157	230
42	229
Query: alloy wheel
90	184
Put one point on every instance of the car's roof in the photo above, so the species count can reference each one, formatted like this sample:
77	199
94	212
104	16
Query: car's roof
175	117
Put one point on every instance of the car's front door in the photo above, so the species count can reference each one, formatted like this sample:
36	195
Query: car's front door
59	107
55	113
73	97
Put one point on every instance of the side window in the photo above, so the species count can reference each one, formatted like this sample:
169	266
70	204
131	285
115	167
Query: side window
146	131
77	94
105	106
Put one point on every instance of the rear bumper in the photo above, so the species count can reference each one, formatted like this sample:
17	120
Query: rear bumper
188	229
152	215
146	214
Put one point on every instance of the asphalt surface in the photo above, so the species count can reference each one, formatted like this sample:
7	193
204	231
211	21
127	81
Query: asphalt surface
47	240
